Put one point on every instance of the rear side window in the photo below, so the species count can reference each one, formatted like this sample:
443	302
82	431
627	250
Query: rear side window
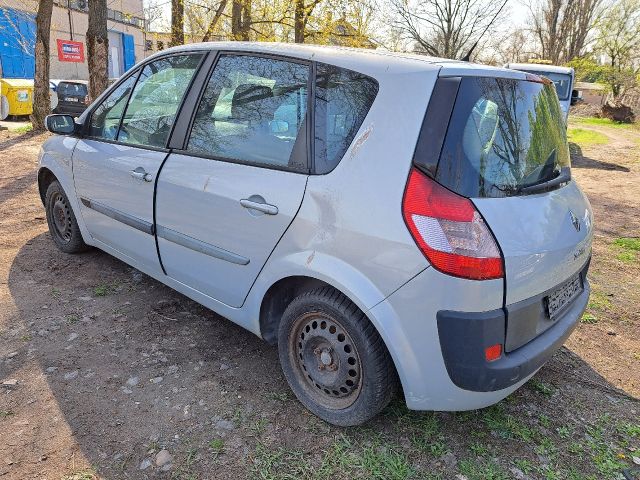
504	135
72	89
253	111
343	99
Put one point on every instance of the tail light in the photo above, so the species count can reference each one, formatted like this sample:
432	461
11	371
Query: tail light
86	99
449	230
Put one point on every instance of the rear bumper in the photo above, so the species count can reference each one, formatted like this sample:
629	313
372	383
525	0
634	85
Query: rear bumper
434	331
464	337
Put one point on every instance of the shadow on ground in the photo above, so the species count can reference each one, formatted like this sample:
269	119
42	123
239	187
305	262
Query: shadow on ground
578	160
133	367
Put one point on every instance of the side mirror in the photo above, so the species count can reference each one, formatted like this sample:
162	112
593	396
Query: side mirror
60	124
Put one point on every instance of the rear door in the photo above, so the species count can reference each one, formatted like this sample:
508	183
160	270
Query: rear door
506	149
116	164
225	199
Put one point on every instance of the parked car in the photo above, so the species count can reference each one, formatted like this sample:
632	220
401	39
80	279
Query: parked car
562	77
382	218
73	97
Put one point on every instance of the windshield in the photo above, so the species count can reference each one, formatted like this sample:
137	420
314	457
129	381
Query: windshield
504	136
562	81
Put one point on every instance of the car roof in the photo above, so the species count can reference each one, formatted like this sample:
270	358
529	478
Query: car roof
539	67
83	82
367	61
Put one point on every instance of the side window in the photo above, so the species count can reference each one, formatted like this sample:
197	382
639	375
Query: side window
343	99
105	119
155	100
253	110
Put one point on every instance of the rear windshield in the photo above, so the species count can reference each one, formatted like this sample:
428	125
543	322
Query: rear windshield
72	89
504	135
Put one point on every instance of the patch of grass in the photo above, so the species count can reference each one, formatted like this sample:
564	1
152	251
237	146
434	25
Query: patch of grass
279	396
599	300
586	137
604	122
6	413
541	387
217	445
25	338
104	289
24	129
259	426
280	463
385	463
72	318
482	470
627	249
588	318
629	429
55	293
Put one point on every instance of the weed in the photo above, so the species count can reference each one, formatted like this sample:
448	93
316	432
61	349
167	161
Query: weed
564	432
629	429
104	289
25	338
88	474
217	445
259	426
541	387
385	462
588	318
599	301
55	293
6	413
72	318
279	396
482	470
544	421
478	449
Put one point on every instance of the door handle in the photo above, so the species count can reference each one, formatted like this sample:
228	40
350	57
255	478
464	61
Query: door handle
141	174
259	206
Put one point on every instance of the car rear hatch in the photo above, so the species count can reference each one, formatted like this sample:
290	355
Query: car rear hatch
505	148
73	94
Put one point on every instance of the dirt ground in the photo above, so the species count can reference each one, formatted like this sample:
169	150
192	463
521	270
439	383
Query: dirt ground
106	373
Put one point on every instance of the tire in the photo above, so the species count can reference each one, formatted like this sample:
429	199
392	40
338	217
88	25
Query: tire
334	359
62	222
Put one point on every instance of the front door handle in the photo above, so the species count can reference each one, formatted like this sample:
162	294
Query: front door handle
141	174
260	206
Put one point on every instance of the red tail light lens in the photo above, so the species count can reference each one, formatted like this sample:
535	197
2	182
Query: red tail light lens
449	230
86	100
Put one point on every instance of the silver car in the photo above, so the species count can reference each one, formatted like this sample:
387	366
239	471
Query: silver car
387	220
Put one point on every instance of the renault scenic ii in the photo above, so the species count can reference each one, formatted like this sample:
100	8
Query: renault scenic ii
388	221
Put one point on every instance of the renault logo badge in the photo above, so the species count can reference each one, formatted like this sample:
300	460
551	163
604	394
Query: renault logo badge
575	221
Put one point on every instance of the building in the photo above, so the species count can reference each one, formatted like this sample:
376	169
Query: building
69	22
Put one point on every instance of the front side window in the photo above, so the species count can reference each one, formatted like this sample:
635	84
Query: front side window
253	110
343	99
155	100
105	119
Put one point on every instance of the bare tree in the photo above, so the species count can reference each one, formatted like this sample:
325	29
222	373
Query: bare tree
177	22
41	101
214	21
97	48
445	28
561	27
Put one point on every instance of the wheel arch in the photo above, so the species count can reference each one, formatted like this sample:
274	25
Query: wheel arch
45	178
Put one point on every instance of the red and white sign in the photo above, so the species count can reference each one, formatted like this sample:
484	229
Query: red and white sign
70	51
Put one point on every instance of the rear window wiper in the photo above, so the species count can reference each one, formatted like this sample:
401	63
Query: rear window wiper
563	177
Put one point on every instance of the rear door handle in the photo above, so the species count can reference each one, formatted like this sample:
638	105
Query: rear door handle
259	206
141	174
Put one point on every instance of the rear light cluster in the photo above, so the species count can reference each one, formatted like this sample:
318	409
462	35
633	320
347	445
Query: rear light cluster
449	230
86	100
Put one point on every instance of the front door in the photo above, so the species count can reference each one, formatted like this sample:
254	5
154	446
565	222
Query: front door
115	166
225	201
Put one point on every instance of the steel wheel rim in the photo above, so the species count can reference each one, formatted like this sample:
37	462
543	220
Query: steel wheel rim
325	360
61	217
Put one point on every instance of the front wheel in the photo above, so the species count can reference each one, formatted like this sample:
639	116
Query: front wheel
334	359
62	222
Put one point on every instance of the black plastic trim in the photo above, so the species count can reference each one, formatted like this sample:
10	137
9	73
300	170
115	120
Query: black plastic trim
119	216
435	124
465	335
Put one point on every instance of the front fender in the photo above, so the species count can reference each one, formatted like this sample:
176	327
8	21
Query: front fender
56	157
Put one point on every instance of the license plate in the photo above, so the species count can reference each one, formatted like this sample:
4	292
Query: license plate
563	296
71	99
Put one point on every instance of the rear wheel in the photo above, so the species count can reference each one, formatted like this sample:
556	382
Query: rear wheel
334	359
62	222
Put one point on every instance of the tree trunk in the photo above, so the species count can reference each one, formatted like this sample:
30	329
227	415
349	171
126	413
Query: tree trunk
177	22
299	21
241	19
41	100
214	21
97	48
